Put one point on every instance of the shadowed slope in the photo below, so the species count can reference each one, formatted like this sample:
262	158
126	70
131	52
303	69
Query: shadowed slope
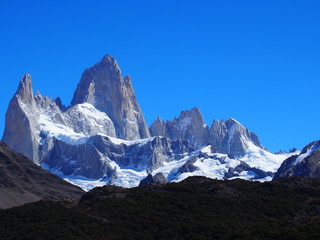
22	181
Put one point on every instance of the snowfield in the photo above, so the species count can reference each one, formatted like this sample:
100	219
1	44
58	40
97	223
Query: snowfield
77	124
214	166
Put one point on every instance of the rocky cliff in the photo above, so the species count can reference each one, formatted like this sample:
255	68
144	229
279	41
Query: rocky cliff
22	121
226	136
104	87
306	164
189	126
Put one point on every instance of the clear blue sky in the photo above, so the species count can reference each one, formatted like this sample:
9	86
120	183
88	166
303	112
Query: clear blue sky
255	61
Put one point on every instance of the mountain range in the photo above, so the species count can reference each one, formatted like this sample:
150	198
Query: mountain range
102	137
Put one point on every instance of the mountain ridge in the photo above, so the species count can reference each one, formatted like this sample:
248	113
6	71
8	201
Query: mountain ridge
103	137
22	181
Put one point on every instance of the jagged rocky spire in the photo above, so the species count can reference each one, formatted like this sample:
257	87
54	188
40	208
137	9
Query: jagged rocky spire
189	126
159	128
25	90
18	132
104	87
226	136
231	137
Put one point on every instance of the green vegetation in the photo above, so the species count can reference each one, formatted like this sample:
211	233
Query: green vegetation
197	208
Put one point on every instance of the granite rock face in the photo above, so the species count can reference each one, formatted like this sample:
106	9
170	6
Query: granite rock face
102	156
21	121
306	164
226	136
104	87
159	128
231	137
188	126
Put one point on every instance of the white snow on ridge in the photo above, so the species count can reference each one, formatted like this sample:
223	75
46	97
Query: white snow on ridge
170	169
129	178
236	121
65	127
218	164
60	125
90	111
306	154
264	160
60	131
214	166
141	142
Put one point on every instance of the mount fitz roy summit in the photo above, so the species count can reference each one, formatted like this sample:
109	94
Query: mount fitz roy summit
102	137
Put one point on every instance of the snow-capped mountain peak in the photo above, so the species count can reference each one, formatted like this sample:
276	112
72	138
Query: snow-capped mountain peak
102	137
104	87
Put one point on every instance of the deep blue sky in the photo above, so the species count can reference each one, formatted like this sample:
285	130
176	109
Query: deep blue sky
255	61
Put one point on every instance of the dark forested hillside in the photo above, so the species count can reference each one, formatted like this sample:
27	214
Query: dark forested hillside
197	208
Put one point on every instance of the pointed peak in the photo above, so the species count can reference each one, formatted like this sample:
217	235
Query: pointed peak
25	90
190	112
107	63
234	121
38	94
195	109
215	121
27	75
38	97
25	80
159	118
59	103
109	60
194	113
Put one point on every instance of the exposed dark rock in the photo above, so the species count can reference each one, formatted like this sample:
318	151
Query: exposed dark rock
188	166
292	150
258	173
306	164
95	154
59	104
157	179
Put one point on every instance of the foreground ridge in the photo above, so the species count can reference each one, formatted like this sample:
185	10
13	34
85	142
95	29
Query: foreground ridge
196	208
22	181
